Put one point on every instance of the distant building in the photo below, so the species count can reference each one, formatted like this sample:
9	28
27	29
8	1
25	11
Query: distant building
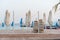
41	26
7	18
35	28
28	18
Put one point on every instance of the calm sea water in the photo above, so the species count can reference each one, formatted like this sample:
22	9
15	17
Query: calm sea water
15	27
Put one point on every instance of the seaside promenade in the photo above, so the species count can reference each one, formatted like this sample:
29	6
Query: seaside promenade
25	34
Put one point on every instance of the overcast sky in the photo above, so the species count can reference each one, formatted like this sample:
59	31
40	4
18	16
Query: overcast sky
20	7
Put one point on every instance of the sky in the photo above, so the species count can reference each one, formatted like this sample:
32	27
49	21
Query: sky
21	7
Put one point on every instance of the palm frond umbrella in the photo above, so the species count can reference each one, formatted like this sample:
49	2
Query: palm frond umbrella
55	7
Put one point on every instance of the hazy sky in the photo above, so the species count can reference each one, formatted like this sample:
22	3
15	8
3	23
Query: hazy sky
20	8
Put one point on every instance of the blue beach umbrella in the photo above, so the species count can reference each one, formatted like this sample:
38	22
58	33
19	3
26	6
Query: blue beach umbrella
2	24
21	22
